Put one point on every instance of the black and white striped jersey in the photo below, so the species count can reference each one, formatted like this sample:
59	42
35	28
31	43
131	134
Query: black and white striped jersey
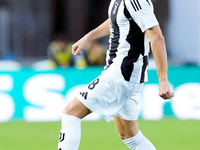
128	45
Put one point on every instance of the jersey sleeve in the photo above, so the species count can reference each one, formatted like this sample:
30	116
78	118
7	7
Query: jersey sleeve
142	13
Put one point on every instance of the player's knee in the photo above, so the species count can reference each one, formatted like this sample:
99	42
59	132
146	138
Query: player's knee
77	109
124	136
68	109
71	106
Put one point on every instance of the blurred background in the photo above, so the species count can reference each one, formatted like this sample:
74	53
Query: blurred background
27	27
38	72
39	75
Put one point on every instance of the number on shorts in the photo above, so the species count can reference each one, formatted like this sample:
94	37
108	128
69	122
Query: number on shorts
93	84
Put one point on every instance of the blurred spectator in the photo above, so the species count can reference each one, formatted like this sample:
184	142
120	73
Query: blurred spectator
161	8
4	28
60	54
95	53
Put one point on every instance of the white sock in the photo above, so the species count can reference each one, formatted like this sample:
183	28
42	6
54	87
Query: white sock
139	142
70	134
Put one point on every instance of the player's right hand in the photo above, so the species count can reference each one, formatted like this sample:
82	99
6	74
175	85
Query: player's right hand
78	46
76	49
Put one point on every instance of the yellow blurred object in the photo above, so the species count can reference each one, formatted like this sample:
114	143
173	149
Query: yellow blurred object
95	53
81	63
61	53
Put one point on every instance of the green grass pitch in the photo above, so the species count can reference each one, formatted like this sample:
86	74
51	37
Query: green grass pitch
166	134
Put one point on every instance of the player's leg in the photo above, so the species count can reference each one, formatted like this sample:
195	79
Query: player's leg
126	129
131	135
89	98
77	109
127	126
70	134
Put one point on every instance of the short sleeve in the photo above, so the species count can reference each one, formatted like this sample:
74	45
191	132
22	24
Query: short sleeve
142	13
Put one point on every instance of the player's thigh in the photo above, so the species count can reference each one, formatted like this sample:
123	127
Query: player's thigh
126	129
77	109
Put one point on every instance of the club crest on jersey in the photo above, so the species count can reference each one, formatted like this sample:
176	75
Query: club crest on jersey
115	7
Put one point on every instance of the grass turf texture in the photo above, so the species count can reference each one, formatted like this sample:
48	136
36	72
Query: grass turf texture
167	134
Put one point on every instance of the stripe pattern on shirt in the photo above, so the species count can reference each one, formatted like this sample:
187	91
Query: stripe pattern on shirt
148	2
127	66
115	29
129	47
136	5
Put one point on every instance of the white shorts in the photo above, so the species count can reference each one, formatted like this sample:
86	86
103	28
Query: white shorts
110	95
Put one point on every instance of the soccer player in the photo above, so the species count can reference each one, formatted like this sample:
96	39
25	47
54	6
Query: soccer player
115	93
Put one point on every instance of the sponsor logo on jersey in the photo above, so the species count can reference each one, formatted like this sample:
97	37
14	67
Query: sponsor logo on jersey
115	7
84	95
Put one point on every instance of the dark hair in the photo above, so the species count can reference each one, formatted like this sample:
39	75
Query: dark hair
3	3
59	37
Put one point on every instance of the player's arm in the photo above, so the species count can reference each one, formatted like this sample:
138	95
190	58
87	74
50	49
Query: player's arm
159	52
99	32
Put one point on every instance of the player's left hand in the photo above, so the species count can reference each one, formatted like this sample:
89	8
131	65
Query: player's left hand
165	90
